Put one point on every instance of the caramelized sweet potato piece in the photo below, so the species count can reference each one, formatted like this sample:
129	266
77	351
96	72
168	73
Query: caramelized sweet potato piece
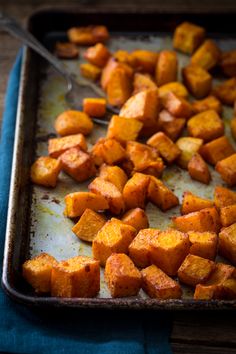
97	55
203	244
207	55
114	175
177	106
76	203
166	68
108	151
168	250
88	35
90	71
233	128
176	87
57	146
45	171
193	203
228	215
37	272
217	150
88	225
206	125
227	169
73	122
94	107
198	169
66	50
228	63
227	243
78	164
207	103
187	37
76	277
124	129
188	146
121	275
118	87
143	82
114	237
110	67
122	56
170	125
228	289
161	195
165	146
144	60
226	91
158	285
135	191
136	218
195	270
197	80
224	197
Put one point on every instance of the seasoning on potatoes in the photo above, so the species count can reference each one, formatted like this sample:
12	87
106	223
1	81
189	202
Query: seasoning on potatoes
197	80
217	150
227	169
135	191
45	171
73	122
198	169
57	146
177	106
228	215
119	87
224	197
227	243
191	203
171	125
188	147
143	82
97	55
226	91
114	175
165	146
187	37
66	50
166	68
161	195
108	151
203	244
124	129
137	218
110	67
210	102
94	107
207	55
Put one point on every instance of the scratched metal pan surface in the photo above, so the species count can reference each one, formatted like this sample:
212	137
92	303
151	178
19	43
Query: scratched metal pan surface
36	222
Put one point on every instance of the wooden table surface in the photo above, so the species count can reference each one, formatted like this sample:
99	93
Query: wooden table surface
193	332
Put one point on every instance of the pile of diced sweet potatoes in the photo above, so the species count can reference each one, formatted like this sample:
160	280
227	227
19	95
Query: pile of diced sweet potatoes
126	172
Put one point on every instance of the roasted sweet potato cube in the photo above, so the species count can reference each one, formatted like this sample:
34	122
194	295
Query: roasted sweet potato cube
122	277
110	192
143	106
114	237
228	63
135	191
139	249
45	171
90	71
88	225
76	277
94	107
198	169
233	127
76	203
207	55
37	271
207	103
224	197
108	151
110	67
227	169
187	37
73	122
206	125
228	288
144	60
88	35
119	87
136	218
158	285
124	129
165	146
143	82
179	107
226	91
191	203
114	175
170	125
122	56
188	147
176	87
161	195
197	80
166	68
217	150
168	250
227	243
97	55
228	215
195	270
78	164
66	50
57	146
203	244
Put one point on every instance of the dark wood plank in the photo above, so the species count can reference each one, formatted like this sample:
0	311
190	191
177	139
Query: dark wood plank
181	348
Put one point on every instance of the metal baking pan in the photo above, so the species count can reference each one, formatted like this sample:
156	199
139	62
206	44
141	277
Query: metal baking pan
35	218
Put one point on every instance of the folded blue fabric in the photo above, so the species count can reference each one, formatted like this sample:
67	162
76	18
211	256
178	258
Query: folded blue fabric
56	331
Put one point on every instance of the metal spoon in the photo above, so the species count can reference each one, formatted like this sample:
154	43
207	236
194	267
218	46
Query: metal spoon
74	84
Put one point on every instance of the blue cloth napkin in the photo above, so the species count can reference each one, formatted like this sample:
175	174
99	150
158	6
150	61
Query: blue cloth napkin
29	330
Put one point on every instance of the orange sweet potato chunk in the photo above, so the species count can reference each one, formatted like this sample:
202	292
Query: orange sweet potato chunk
88	35
188	146
228	63
227	169
168	250
119	87
198	169
203	244
110	67
207	55
171	125
158	285
165	146
135	191
226	91
113	237
224	197
97	55
191	203
233	128
90	71
161	195
108	151
121	275
217	150
210	102
94	107
124	129
197	80
57	146
66	50
76	277
178	106
143	82
37	272
137	218
114	175
45	171
195	270
227	243
88	225
144	60
76	203
228	288
176	87
139	249
187	37
73	122
228	215
166	68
